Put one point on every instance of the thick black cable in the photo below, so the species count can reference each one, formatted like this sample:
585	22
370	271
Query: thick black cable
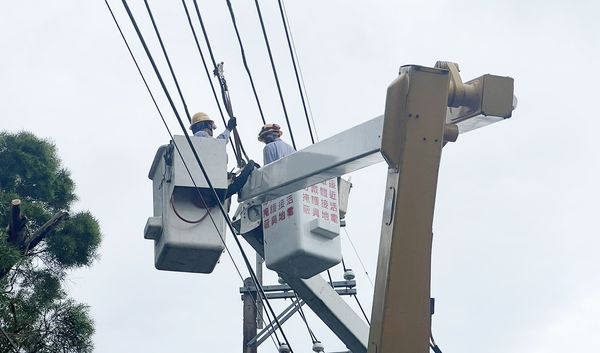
287	35
210	51
361	309
205	174
178	151
264	31
330	280
171	135
164	50
313	337
208	76
185	108
435	348
243	53
187	13
224	92
312	118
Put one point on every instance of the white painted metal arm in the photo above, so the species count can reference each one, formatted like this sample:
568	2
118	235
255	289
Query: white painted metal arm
343	153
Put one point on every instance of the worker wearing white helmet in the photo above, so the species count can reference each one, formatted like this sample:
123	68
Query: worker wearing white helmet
203	126
275	148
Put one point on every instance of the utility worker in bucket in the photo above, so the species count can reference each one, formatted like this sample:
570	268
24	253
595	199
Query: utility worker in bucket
274	148
203	126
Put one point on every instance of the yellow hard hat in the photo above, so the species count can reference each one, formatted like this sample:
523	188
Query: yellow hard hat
274	128
200	117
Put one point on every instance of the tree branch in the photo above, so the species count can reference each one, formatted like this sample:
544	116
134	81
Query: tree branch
43	231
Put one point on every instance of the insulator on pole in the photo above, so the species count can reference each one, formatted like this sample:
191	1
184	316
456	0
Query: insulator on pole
349	274
284	348
318	347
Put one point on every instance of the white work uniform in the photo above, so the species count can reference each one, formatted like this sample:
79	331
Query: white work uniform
224	135
276	150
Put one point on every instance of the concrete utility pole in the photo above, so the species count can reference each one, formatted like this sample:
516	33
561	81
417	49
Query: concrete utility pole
250	328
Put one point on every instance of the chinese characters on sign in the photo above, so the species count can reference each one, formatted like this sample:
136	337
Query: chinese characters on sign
317	201
278	210
321	200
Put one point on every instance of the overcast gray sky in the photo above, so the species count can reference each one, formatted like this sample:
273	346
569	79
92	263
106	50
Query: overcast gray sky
515	265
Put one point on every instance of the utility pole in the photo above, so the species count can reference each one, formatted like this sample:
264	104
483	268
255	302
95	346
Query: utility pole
426	107
259	303
249	299
415	114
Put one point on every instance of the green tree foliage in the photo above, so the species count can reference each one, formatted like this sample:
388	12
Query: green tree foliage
39	242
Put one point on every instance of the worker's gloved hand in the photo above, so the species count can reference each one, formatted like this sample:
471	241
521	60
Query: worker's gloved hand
231	124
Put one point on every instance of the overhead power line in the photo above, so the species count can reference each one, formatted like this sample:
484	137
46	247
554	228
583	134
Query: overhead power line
298	303
195	153
264	31
359	259
208	76
218	71
243	53
178	151
287	36
170	134
361	309
236	138
312	118
180	155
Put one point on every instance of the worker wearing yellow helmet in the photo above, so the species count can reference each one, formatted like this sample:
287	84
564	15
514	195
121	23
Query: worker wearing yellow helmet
203	126
274	148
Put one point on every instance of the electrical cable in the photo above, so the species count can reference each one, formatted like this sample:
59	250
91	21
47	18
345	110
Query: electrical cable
177	84
287	35
243	53
368	277
344	265
237	142
434	345
224	213
208	76
312	118
262	25
185	108
223	85
361	309
170	134
181	123
359	259
179	152
297	302
185	219
330	280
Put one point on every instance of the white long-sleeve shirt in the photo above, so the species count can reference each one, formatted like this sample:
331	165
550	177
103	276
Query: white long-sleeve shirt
276	150
224	135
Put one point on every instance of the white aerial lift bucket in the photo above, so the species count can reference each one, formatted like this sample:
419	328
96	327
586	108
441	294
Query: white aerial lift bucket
185	237
301	230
